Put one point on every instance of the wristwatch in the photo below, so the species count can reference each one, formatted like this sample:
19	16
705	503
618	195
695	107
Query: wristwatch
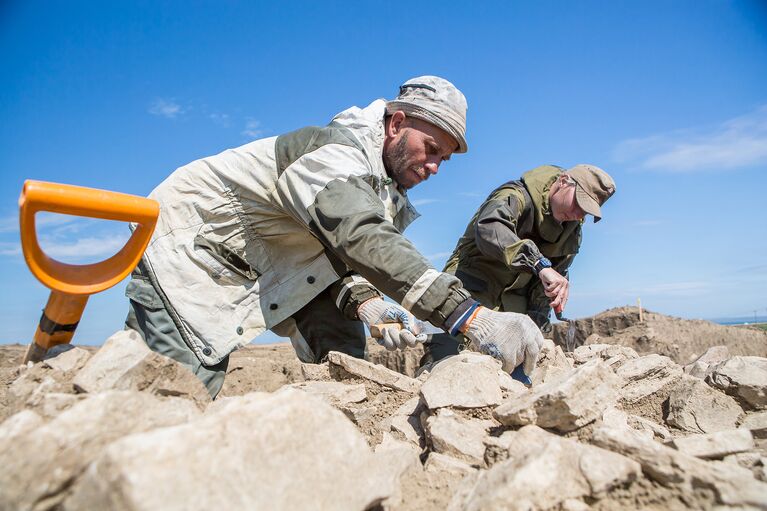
541	264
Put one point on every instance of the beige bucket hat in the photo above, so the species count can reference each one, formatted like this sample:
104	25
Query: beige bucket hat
436	101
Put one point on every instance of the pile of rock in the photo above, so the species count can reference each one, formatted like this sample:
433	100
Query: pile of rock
601	428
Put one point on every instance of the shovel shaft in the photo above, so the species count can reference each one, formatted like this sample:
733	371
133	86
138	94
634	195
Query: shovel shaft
57	323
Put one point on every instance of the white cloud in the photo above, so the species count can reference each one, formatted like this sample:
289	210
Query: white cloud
220	119
438	256
648	223
252	128
423	202
736	143
10	248
167	108
91	247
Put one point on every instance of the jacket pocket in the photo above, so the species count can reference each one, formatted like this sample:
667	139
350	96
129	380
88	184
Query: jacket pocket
225	258
141	291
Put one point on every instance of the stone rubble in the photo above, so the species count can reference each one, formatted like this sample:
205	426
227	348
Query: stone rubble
715	445
564	404
130	430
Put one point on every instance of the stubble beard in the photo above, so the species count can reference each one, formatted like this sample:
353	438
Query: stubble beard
396	163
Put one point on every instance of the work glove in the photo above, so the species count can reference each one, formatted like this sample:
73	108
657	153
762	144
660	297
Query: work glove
512	338
377	311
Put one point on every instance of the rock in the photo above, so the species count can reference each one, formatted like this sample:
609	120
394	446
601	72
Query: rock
53	374
40	464
564	405
375	373
437	462
51	404
647	375
509	384
67	360
725	483
335	393
289	450
649	428
125	362
406	422
712	356
405	361
316	371
543	471
552	363
744	378
696	407
715	445
614	418
466	380
453	435
616	354
756	423
397	458
19	424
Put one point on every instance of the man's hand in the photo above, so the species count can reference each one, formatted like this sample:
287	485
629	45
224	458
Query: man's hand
376	311
555	286
510	337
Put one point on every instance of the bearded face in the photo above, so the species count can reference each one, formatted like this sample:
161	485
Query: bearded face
400	165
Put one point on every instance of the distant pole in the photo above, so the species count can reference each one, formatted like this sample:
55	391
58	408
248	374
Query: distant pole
639	304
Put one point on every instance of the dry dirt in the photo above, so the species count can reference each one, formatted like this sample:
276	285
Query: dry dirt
682	340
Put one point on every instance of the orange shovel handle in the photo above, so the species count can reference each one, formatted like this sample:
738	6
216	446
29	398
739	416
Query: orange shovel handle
85	279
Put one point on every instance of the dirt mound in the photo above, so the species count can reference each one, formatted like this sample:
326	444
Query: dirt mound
683	340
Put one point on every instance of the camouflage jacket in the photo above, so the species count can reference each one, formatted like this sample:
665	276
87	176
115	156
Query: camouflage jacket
511	230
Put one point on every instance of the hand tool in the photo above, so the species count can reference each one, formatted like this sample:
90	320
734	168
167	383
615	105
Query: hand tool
375	331
71	284
570	336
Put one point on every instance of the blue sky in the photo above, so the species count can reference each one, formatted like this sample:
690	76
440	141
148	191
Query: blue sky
670	97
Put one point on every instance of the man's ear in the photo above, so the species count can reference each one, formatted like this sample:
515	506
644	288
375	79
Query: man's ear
396	123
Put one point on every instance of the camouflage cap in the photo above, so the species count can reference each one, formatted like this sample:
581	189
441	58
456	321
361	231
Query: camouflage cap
593	187
436	101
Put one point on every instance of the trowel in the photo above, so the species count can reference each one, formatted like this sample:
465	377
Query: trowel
570	335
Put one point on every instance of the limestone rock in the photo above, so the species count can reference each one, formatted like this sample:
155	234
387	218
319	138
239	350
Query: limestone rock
509	384
552	363
375	373
40	464
53	374
19	424
712	356
715	445
617	419
51	404
397	459
543	471
315	371
334	392
744	378
616	354
756	423
466	380
564	405
647	375
437	462
125	362
405	422
67	360
287	451
729	485
453	435
696	407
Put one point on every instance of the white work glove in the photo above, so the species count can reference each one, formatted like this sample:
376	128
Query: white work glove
376	311
556	287
512	338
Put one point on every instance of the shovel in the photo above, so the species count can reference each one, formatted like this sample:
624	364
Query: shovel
72	284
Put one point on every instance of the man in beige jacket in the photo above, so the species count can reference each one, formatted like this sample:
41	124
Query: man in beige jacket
302	234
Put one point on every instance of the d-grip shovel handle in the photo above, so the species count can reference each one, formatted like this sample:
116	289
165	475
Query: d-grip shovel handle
85	279
71	284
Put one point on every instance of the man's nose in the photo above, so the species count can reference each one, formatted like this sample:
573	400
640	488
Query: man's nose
432	167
